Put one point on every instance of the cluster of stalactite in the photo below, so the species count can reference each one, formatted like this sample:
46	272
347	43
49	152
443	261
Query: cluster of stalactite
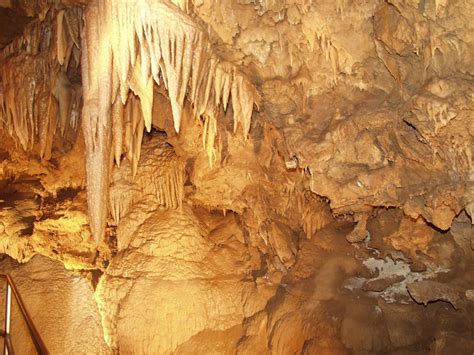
37	98
160	175
129	46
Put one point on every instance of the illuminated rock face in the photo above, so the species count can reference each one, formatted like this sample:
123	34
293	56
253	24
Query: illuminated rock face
242	176
62	304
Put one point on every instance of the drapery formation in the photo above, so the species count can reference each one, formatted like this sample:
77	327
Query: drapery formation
128	46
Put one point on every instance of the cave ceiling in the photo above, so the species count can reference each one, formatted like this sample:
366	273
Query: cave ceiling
393	78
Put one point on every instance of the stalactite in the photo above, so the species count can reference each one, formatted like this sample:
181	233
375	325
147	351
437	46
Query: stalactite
117	126
63	94
208	138
160	174
314	221
38	101
97	80
315	214
142	86
61	40
172	44
150	42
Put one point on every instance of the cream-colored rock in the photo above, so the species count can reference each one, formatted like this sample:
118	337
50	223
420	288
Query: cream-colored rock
175	281
61	304
159	175
249	137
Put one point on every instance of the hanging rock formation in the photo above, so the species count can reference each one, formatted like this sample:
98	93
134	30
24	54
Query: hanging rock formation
130	45
242	176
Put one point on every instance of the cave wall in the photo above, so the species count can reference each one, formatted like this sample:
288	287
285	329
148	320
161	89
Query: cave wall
287	176
60	302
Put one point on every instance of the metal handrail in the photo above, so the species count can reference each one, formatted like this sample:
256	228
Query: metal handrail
7	346
37	341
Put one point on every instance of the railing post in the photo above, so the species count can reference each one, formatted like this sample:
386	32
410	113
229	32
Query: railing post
8	311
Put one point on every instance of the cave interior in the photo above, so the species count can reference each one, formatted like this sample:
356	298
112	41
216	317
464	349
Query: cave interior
238	176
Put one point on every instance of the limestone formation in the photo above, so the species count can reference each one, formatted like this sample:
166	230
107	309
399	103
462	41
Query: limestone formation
239	176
